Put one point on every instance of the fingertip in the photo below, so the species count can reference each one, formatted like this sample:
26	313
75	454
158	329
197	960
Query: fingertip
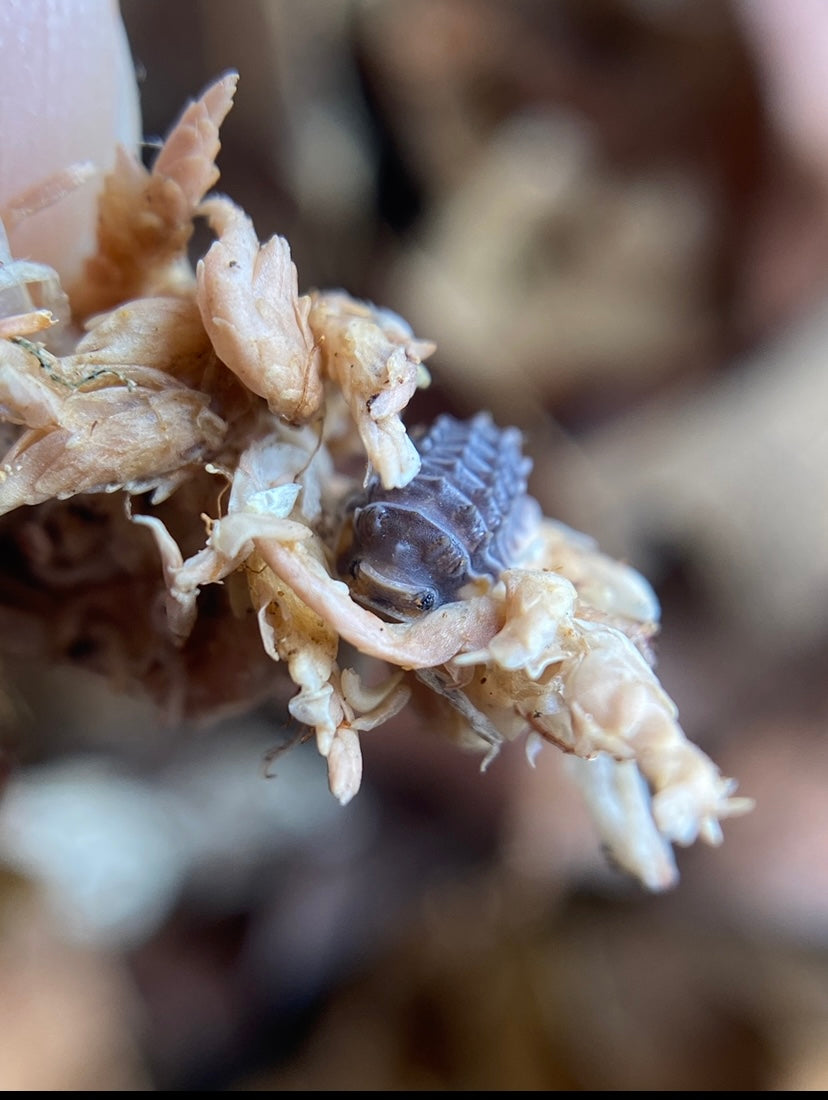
67	94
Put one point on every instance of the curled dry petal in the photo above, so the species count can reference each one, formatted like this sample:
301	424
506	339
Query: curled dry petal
376	362
602	583
538	610
345	765
431	640
307	644
250	305
284	458
336	705
619	802
264	493
616	705
181	597
25	324
365	709
161	332
373	705
586	687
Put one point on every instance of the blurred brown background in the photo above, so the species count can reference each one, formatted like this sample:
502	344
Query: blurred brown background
612	218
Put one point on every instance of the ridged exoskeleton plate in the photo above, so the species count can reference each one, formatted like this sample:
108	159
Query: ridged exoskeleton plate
462	518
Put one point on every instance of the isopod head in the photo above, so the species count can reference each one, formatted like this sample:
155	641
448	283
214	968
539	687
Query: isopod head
399	563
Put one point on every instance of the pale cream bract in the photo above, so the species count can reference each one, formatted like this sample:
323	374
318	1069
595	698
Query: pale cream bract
258	323
376	361
229	376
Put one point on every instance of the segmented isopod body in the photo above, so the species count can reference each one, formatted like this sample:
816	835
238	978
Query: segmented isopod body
462	518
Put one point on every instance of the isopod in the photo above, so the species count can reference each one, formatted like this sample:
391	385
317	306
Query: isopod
462	518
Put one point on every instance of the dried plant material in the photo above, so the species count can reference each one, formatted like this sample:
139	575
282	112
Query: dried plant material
586	274
619	803
335	704
262	499
587	688
166	333
249	300
238	406
375	359
145	219
99	429
31	297
603	584
26	324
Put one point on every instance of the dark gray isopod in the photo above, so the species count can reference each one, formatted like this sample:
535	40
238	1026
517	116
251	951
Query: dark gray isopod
462	518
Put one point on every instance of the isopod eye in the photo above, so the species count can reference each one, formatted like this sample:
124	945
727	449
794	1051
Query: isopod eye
426	600
373	519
